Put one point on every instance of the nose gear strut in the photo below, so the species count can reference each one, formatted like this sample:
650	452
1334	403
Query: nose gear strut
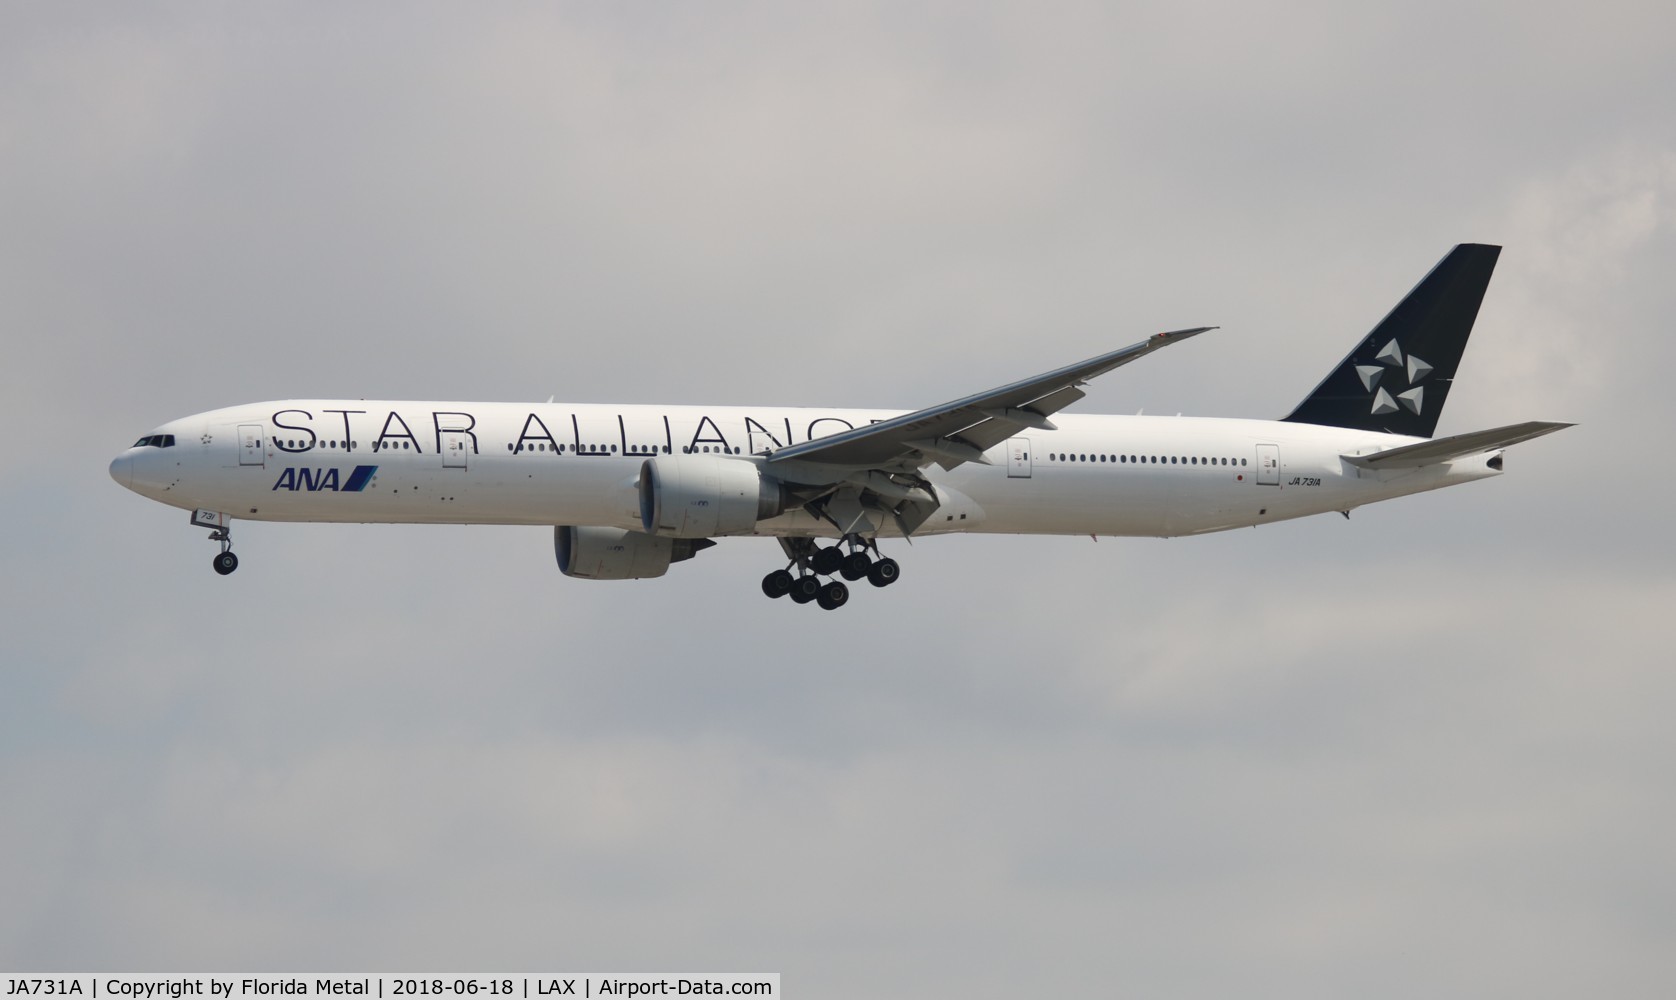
221	530
225	562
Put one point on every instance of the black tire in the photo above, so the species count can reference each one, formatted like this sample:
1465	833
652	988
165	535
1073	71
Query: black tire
805	589
884	573
777	583
856	565
826	561
834	596
225	562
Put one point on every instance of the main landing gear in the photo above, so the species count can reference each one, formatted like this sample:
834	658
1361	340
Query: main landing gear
812	563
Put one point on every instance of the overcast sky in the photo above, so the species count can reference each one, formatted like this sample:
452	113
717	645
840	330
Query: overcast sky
1423	752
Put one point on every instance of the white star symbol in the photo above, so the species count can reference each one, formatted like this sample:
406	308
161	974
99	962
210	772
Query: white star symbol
1391	356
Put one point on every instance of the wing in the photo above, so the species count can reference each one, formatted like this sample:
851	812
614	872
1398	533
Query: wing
962	430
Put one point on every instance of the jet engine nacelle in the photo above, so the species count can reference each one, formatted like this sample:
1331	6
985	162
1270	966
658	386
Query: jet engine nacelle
697	496
618	554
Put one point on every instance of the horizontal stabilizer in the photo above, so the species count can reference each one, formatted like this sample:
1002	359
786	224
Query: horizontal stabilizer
1444	449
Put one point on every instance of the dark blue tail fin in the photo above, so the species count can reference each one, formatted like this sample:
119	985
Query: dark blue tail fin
1398	377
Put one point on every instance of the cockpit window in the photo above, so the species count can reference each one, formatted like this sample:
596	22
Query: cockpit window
156	441
142	442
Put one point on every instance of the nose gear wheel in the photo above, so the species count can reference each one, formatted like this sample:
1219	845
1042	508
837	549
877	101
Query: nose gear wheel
224	562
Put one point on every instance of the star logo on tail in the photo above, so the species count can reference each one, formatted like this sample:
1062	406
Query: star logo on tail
1391	357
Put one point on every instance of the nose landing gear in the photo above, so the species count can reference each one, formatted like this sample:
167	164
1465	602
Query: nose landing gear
221	530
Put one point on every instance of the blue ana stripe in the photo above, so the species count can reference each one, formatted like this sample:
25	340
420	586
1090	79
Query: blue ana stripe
358	479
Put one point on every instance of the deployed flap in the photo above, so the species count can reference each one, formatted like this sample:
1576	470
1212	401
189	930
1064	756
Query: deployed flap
956	431
1443	449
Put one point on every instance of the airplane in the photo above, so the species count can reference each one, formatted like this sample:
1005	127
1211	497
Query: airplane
633	489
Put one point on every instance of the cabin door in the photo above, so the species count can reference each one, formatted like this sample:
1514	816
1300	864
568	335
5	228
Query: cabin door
1268	465
1018	458
250	444
455	445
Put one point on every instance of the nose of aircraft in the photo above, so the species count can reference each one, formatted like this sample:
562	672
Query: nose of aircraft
122	469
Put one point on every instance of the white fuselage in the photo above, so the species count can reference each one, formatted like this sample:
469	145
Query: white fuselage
563	464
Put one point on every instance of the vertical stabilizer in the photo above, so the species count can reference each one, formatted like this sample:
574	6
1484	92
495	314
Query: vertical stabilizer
1398	377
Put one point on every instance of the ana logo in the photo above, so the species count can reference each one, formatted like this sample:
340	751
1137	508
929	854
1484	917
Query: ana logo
1389	357
316	480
